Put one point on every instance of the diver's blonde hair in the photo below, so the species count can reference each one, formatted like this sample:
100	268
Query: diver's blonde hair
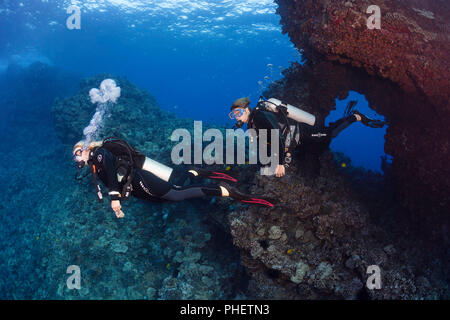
92	145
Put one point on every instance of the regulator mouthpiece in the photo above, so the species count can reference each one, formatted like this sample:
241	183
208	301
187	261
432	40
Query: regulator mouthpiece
239	124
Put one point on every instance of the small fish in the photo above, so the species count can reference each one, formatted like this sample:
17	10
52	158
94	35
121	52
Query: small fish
247	162
168	266
228	168
267	77
270	65
57	240
344	165
290	251
260	83
37	237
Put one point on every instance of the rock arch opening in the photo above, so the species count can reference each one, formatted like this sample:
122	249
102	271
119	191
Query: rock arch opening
363	145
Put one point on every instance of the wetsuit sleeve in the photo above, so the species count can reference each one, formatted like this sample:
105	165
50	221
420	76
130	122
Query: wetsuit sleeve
104	161
266	120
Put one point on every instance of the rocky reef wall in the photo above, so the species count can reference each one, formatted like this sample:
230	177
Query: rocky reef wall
411	53
328	228
315	244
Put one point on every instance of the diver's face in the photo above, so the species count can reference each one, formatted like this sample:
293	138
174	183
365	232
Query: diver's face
240	114
80	155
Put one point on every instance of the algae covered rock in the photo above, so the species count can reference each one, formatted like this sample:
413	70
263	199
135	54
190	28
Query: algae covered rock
313	252
403	69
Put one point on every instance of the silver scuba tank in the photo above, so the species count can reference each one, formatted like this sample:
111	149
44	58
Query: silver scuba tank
294	113
158	169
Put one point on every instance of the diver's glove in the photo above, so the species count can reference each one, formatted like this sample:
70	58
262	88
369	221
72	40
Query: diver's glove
246	198
209	174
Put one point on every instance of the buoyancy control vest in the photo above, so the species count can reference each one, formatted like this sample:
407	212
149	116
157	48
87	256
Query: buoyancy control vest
126	159
290	130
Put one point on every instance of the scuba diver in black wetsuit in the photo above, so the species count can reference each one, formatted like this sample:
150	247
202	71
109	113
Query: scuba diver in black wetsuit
296	127
125	172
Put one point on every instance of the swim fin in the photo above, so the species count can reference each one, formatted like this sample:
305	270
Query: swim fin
209	174
246	198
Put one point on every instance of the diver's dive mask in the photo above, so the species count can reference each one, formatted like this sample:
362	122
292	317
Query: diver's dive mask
77	158
235	114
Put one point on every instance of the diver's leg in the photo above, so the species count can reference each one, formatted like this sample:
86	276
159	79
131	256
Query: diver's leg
180	175
336	127
312	147
148	186
224	190
365	120
183	193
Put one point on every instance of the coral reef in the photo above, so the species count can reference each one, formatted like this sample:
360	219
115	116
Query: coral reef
52	221
29	160
411	48
329	228
318	242
164	254
411	52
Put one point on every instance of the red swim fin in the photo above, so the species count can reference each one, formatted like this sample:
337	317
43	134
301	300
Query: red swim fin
222	176
245	198
214	175
259	201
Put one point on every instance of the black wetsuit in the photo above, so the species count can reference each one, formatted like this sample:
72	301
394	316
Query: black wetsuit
261	119
145	184
303	138
316	139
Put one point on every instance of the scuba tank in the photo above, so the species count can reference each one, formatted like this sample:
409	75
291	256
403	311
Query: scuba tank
294	113
158	169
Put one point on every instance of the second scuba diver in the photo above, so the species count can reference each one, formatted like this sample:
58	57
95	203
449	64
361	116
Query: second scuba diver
125	172
296	127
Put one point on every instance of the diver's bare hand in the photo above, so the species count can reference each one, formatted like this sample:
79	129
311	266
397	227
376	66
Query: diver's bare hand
281	171
115	205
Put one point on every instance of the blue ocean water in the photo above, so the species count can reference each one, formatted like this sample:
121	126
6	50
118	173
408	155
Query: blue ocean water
364	145
194	57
